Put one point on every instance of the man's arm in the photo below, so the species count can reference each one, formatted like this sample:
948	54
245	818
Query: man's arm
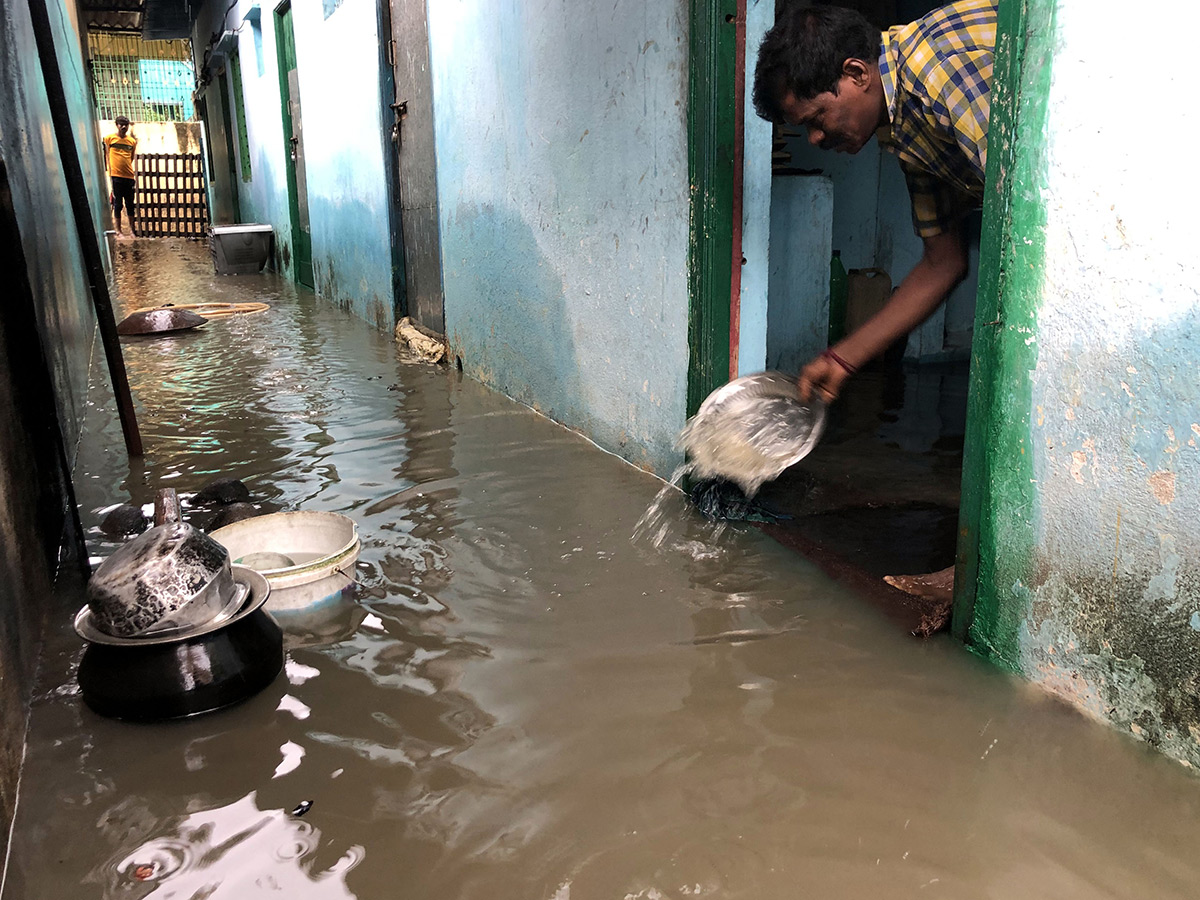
943	265
104	153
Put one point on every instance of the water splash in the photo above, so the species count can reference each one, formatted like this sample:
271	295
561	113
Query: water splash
672	521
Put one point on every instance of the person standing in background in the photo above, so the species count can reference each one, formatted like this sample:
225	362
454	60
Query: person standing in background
120	150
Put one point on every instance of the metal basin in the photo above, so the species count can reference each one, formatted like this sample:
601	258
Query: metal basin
308	556
751	429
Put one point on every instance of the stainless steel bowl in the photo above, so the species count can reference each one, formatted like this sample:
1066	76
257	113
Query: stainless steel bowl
171	579
751	429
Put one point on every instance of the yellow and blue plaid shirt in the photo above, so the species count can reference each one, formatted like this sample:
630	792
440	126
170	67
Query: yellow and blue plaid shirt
937	75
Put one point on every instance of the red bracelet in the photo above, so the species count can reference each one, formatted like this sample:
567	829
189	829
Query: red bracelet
829	354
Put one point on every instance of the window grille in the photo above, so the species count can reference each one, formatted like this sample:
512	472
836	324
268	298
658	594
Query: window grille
145	81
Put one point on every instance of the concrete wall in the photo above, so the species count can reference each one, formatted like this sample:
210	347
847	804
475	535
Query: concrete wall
1090	550
162	137
46	306
563	182
339	57
801	239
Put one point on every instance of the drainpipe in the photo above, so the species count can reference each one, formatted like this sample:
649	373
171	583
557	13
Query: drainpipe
84	226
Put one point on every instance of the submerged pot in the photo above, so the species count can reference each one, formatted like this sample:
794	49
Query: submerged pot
159	321
145	679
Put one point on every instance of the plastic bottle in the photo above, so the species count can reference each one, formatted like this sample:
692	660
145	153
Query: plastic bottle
838	289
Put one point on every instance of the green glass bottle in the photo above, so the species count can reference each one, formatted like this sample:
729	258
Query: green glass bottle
838	289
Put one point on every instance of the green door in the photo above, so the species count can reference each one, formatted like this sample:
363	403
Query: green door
714	157
230	150
289	91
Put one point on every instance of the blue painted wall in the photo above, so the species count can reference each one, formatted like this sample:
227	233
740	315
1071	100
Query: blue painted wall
27	145
562	174
340	56
1094	526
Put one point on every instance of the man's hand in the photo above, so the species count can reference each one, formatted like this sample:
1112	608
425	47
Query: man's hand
942	266
822	380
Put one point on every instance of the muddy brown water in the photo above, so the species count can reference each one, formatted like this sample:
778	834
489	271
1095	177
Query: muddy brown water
523	702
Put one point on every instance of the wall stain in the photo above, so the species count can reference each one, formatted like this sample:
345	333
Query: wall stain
1162	485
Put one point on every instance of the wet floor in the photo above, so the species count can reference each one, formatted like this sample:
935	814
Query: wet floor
524	703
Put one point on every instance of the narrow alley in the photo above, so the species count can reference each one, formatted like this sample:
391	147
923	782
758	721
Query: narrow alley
522	701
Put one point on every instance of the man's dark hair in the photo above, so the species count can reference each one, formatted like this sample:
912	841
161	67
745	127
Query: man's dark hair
120	120
804	52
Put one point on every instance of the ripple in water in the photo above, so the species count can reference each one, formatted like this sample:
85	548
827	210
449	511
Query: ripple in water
235	852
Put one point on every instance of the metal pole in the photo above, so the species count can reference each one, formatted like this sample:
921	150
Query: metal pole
88	243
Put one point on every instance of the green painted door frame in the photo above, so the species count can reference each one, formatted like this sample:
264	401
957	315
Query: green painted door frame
302	267
230	150
998	504
713	136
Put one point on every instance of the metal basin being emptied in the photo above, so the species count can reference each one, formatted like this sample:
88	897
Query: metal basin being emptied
751	429
307	556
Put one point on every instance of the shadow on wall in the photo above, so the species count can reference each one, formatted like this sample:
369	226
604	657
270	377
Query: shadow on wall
511	329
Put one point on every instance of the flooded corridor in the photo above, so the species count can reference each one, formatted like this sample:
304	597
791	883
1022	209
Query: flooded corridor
524	703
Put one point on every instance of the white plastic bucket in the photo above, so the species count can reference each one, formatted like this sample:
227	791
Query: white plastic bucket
322	548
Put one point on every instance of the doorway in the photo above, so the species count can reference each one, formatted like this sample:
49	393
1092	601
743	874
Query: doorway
413	143
293	130
230	150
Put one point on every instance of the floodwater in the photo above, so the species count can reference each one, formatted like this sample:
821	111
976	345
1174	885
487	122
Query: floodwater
526	703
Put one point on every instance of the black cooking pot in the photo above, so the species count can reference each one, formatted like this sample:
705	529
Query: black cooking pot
167	678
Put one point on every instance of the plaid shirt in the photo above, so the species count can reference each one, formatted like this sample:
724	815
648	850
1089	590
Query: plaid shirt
937	75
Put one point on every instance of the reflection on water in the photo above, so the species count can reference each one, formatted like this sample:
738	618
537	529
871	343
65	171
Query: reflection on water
524	703
235	851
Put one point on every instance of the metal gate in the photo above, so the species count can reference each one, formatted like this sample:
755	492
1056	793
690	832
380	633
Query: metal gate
171	199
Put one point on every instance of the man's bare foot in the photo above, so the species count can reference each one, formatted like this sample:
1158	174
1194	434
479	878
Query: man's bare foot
937	586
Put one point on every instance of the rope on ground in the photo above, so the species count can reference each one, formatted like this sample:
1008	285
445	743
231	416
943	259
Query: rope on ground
215	310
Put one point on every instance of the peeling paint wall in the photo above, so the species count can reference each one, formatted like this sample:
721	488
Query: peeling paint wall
1097	522
32	498
340	55
562	175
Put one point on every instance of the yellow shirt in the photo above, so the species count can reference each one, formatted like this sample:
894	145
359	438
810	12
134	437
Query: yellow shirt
119	151
937	77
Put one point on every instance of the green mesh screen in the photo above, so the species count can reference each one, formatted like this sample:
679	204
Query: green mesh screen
146	81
